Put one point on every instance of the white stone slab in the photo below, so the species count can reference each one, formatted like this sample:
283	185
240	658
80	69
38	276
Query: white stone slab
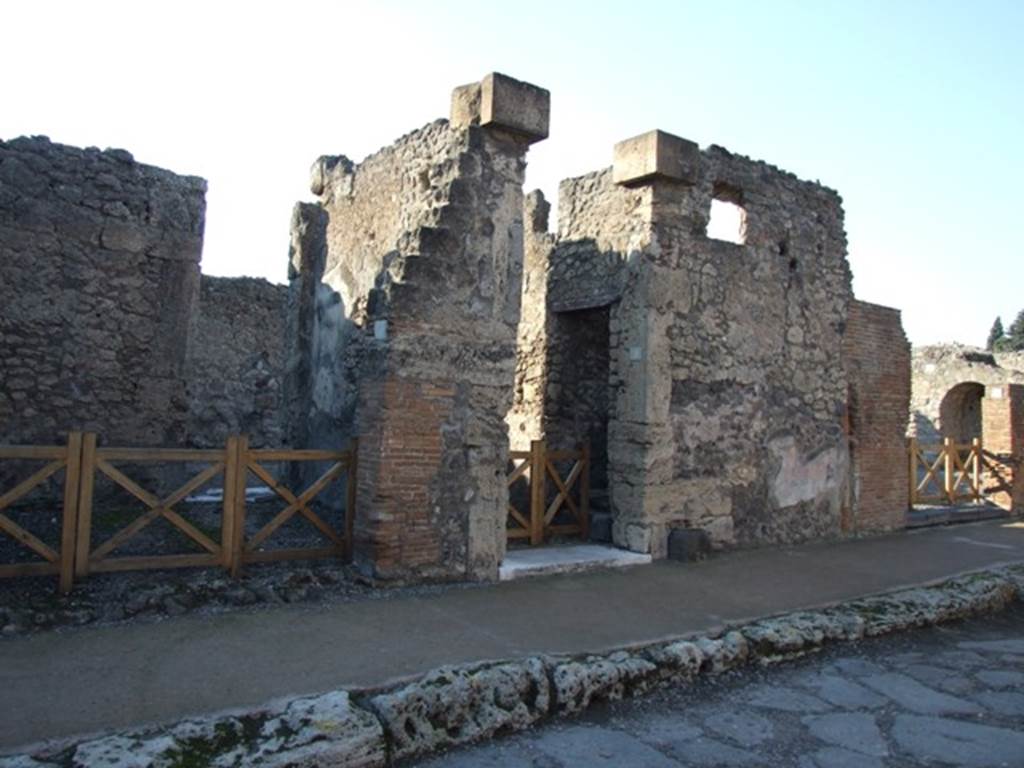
540	561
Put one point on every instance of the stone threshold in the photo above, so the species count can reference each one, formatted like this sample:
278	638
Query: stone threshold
573	558
455	705
924	517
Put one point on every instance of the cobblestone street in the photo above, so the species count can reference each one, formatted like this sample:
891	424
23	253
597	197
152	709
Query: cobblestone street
951	695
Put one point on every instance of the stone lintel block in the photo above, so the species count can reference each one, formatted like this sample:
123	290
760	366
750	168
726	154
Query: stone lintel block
655	155
502	102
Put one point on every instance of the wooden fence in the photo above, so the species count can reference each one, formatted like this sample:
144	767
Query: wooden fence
83	463
946	472
533	469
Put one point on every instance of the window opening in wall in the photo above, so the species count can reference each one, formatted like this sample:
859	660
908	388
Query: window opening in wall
728	220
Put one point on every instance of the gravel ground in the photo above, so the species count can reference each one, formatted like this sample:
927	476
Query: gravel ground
30	605
947	696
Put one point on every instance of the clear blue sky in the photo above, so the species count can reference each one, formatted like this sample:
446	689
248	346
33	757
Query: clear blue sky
913	111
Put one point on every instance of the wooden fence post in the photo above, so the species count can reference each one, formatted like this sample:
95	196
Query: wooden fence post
976	469
912	449
238	505
69	520
350	498
585	492
538	475
949	466
85	493
228	506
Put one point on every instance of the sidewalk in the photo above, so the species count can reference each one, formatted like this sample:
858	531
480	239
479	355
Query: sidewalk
59	684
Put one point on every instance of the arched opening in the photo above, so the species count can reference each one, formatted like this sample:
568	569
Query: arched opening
960	412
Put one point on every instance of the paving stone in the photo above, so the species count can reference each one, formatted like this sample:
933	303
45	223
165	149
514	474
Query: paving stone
498	756
1001	678
850	730
904	659
836	757
1006	645
786	699
958	659
1006	703
703	751
844	693
940	678
962	743
744	728
663	729
855	666
586	746
909	693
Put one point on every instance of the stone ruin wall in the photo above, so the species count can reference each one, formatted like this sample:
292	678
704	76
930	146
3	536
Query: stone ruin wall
753	452
876	358
708	377
234	370
99	276
108	325
726	390
407	275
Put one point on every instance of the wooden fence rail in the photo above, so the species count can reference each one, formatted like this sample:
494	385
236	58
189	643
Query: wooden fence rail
83	462
946	472
535	468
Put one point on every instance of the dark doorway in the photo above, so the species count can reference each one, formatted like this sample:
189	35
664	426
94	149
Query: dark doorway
960	412
576	406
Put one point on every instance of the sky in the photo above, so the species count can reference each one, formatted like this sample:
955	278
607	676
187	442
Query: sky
912	110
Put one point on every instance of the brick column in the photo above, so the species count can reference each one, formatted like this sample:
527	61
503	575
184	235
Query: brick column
1002	429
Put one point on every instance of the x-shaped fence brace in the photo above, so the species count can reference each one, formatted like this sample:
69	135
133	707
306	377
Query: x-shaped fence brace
67	458
14	530
537	466
157	508
296	504
948	471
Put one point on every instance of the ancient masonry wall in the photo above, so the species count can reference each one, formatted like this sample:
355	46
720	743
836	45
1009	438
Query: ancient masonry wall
99	275
235	362
725	382
876	358
407	275
937	370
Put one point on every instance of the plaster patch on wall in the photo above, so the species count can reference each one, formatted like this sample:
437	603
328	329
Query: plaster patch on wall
797	480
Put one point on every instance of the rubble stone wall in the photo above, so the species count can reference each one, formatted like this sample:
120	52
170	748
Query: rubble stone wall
99	276
876	358
235	362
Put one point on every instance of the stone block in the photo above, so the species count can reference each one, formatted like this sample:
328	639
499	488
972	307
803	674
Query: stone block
499	101
455	705
655	154
688	544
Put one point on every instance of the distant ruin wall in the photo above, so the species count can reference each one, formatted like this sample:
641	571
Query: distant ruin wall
235	362
876	358
99	275
938	369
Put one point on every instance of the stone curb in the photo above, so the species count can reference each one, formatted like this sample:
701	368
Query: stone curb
455	705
